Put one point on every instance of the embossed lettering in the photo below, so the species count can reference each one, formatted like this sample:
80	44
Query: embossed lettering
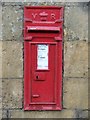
34	15
53	16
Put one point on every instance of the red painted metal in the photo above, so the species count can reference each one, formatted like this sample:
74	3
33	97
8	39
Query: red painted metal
43	27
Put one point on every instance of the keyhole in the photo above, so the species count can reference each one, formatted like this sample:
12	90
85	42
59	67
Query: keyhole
37	77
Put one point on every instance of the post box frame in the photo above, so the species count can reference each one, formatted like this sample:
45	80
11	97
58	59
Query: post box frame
57	104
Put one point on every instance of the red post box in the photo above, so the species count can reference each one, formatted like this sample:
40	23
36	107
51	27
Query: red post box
43	35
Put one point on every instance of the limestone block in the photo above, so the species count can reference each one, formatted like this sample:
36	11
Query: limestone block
0	59
75	93
0	74
0	21
12	59
81	113
76	59
42	114
76	23
12	93
12	25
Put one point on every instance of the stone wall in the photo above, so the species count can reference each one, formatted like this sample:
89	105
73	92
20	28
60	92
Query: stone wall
75	61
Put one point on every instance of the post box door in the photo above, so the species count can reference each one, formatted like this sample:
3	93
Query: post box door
43	73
